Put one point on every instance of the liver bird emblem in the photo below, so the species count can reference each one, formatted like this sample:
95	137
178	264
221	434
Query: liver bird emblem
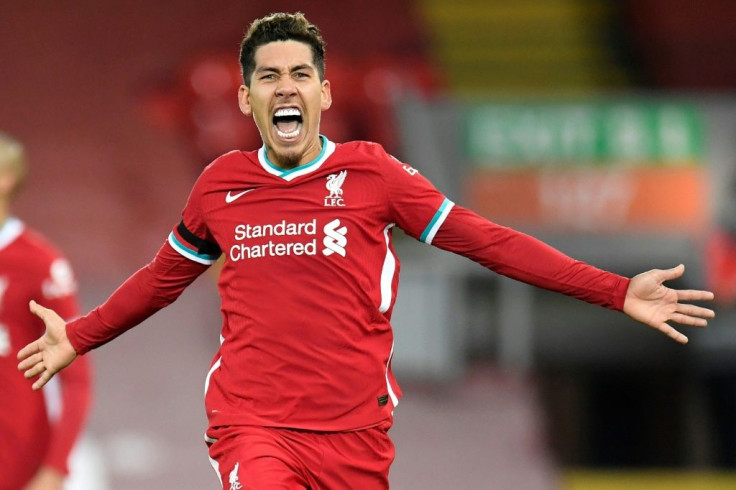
334	183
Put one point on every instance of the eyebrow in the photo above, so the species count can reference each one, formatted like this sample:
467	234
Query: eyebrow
276	70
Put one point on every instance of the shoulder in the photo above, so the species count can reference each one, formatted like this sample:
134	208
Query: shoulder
368	149
228	161
224	169
372	155
43	258
38	247
366	154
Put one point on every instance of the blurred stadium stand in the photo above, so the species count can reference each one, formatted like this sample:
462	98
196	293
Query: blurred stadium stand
199	102
527	46
682	45
121	104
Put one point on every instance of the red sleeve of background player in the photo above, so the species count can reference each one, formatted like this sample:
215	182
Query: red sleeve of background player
524	258
58	290
76	397
151	288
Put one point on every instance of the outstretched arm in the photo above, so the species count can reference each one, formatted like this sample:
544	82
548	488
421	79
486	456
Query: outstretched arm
652	303
151	288
516	255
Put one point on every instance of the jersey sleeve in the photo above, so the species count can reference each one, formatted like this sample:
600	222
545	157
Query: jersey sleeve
416	206
426	214
59	292
191	237
188	252
153	287
524	258
76	396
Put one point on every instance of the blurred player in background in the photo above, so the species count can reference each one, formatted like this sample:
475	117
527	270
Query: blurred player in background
300	393
38	429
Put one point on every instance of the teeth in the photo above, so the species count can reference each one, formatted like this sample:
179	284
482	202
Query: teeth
289	111
293	134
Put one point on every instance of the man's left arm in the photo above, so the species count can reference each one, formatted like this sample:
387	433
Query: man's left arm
519	256
427	215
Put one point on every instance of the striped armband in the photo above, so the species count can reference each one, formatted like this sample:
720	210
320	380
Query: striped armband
439	217
192	247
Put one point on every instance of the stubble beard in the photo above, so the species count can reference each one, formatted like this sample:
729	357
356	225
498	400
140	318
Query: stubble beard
287	160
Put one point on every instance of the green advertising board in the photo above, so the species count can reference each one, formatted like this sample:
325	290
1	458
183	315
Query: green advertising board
632	132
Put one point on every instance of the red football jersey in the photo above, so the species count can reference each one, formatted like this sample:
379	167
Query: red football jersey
36	427
308	282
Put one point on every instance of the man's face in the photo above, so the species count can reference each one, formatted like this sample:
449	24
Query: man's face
286	98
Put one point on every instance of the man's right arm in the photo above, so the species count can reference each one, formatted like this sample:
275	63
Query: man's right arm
153	287
144	293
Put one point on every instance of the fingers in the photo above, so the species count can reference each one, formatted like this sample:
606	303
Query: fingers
693	295
694	316
47	315
695	311
688	320
671	333
670	274
31	356
30	361
33	366
42	380
34	371
29	350
37	309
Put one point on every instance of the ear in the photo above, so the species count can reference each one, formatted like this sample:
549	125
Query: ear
244	100
326	95
8	181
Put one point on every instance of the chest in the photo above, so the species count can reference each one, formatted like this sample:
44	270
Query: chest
18	284
17	287
329	206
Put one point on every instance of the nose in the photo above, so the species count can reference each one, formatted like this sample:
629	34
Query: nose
286	87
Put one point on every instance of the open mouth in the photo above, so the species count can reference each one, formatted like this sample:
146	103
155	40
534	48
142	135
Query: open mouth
288	122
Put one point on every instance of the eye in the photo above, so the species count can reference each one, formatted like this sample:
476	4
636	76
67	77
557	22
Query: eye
301	74
268	76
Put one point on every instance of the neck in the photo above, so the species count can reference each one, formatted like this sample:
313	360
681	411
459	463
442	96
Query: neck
290	161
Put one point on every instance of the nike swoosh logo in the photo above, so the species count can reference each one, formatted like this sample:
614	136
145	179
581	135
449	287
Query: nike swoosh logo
232	197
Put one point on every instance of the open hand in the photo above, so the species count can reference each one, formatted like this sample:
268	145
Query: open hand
49	354
649	301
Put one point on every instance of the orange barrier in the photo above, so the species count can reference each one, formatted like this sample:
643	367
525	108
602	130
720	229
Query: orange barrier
650	199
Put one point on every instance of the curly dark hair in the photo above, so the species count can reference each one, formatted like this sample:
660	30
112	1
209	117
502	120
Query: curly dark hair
280	27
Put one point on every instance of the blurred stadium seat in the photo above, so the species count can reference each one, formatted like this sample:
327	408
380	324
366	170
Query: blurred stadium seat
200	100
